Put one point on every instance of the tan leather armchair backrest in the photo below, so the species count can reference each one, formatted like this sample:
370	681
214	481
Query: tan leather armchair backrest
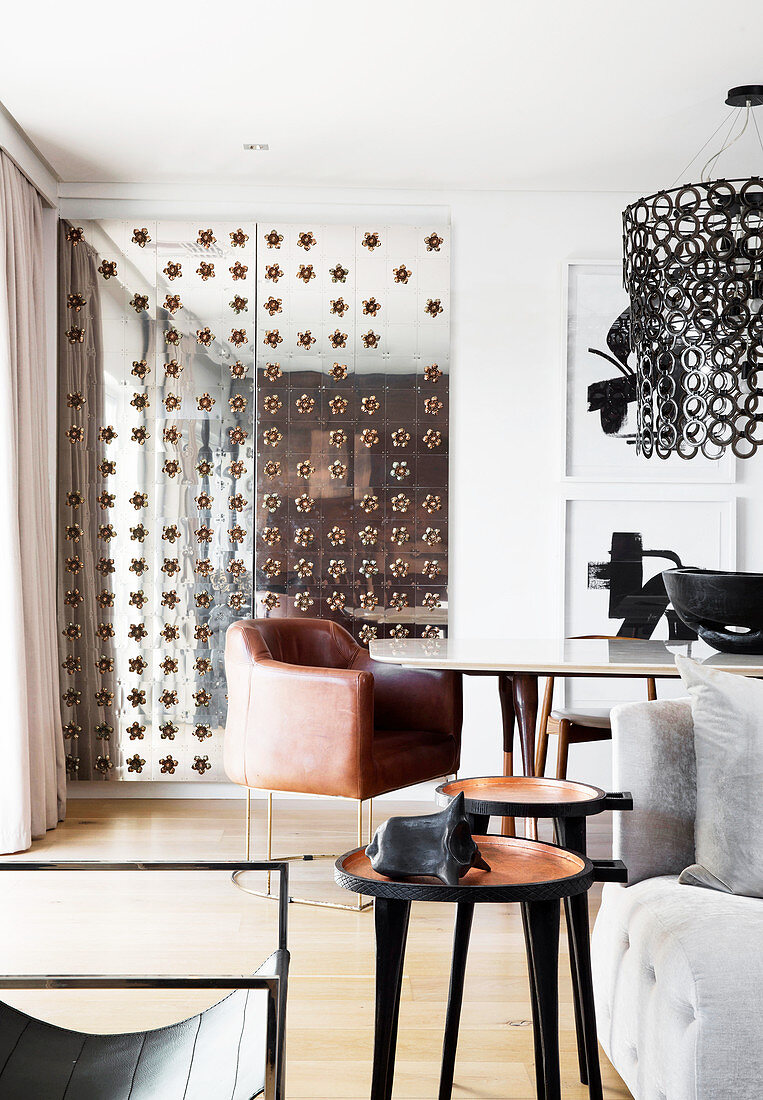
319	643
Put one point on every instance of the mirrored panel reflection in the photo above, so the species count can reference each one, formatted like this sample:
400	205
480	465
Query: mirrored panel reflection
200	483
156	490
352	426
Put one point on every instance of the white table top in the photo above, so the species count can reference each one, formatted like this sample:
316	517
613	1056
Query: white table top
558	656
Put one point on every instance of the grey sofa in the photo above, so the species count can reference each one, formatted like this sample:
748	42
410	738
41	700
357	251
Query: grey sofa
678	970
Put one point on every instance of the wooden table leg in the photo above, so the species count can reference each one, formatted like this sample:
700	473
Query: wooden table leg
525	691
506	695
391	920
464	915
525	685
543	939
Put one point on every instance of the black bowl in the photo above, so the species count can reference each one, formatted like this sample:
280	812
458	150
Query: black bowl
712	600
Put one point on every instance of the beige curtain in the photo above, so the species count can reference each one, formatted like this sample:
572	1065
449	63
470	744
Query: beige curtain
80	371
32	770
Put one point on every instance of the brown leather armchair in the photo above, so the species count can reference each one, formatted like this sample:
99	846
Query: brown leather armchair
310	712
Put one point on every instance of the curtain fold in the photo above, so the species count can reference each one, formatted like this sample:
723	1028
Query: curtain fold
86	597
32	769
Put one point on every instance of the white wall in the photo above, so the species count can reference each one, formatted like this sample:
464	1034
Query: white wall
506	404
27	158
506	568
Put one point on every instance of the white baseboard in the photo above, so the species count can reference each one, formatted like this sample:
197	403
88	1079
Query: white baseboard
423	792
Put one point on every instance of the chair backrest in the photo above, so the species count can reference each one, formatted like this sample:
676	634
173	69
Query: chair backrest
548	696
651	686
653	758
318	643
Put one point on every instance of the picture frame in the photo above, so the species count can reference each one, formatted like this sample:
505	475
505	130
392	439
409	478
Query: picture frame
692	526
598	390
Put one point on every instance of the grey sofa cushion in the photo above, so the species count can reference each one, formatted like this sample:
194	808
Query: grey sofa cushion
653	758
727	710
216	1055
678	978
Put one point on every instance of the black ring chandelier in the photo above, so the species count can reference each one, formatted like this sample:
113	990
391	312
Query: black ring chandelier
693	269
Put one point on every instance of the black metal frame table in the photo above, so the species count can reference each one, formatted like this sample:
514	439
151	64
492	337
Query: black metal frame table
568	804
536	875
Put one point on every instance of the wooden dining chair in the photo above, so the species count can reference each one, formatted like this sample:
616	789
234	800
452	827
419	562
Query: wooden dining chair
574	727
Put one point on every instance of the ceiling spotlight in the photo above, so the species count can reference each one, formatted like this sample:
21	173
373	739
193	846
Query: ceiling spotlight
257	147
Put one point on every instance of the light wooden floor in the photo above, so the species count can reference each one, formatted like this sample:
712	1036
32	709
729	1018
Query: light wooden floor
199	923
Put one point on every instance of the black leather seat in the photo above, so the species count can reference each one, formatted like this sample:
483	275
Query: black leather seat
233	1050
216	1055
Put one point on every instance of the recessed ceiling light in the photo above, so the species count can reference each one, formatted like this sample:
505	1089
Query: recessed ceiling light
257	147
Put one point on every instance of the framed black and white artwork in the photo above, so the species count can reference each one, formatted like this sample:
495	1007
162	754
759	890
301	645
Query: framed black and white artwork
616	548
600	388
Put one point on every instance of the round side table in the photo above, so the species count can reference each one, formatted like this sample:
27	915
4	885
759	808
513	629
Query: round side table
568	804
535	874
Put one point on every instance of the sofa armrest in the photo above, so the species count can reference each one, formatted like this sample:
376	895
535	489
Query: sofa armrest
294	727
653	757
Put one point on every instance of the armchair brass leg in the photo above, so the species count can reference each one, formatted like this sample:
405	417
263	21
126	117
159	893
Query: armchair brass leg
270	829
248	822
270	821
360	905
359	897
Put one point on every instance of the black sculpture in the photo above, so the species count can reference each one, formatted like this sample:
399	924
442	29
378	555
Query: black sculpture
439	845
712	600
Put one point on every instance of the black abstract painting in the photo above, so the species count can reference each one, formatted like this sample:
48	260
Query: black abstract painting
611	396
638	603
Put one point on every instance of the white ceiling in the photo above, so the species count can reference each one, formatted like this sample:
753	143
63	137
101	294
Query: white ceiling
558	94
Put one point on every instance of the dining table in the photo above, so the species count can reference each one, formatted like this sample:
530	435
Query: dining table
518	664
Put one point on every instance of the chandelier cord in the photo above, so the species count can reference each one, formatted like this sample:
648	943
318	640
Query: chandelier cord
713	160
722	123
757	131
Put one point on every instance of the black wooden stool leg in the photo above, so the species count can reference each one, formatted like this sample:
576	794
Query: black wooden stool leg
576	996
393	1038
463	928
479	824
570	833
580	933
391	919
540	1086
543	929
